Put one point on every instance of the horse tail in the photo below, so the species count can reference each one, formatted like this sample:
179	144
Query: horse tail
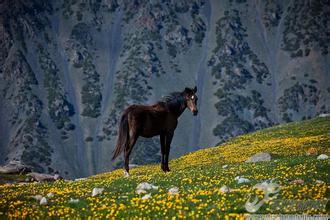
122	137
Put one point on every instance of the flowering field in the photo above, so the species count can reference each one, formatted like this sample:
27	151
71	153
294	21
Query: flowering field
207	182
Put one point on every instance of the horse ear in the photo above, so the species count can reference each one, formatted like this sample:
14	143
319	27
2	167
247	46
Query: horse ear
186	90
195	89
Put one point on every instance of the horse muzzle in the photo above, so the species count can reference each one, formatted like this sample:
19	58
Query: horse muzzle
195	112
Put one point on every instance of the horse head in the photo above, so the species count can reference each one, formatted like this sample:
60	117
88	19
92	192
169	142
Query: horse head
191	99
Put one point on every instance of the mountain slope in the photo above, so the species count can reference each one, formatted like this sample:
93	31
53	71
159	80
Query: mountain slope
303	181
69	68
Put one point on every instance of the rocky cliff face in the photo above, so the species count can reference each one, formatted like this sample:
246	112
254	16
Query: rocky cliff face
68	69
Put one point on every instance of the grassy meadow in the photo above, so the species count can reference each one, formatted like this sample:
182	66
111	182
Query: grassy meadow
200	176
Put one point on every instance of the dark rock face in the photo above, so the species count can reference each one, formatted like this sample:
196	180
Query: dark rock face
69	68
236	67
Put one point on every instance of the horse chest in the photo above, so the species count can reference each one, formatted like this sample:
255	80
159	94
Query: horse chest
170	124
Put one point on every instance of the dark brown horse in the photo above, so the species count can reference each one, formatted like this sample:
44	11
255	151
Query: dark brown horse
151	120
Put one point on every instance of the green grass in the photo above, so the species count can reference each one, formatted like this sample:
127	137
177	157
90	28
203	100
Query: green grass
199	177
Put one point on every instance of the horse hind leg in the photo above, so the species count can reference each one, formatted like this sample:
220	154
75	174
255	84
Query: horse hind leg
131	142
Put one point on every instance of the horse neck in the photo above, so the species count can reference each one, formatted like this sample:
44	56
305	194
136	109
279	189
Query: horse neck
179	110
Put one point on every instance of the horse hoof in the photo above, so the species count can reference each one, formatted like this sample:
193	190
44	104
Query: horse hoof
163	168
126	174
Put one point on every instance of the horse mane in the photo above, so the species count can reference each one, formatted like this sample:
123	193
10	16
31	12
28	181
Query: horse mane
174	100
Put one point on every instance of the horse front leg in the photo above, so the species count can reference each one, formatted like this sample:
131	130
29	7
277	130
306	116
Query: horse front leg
169	138
163	151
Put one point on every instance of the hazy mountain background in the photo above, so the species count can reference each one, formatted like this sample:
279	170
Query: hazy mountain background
69	68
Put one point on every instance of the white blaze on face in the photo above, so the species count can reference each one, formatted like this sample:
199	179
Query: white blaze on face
192	97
